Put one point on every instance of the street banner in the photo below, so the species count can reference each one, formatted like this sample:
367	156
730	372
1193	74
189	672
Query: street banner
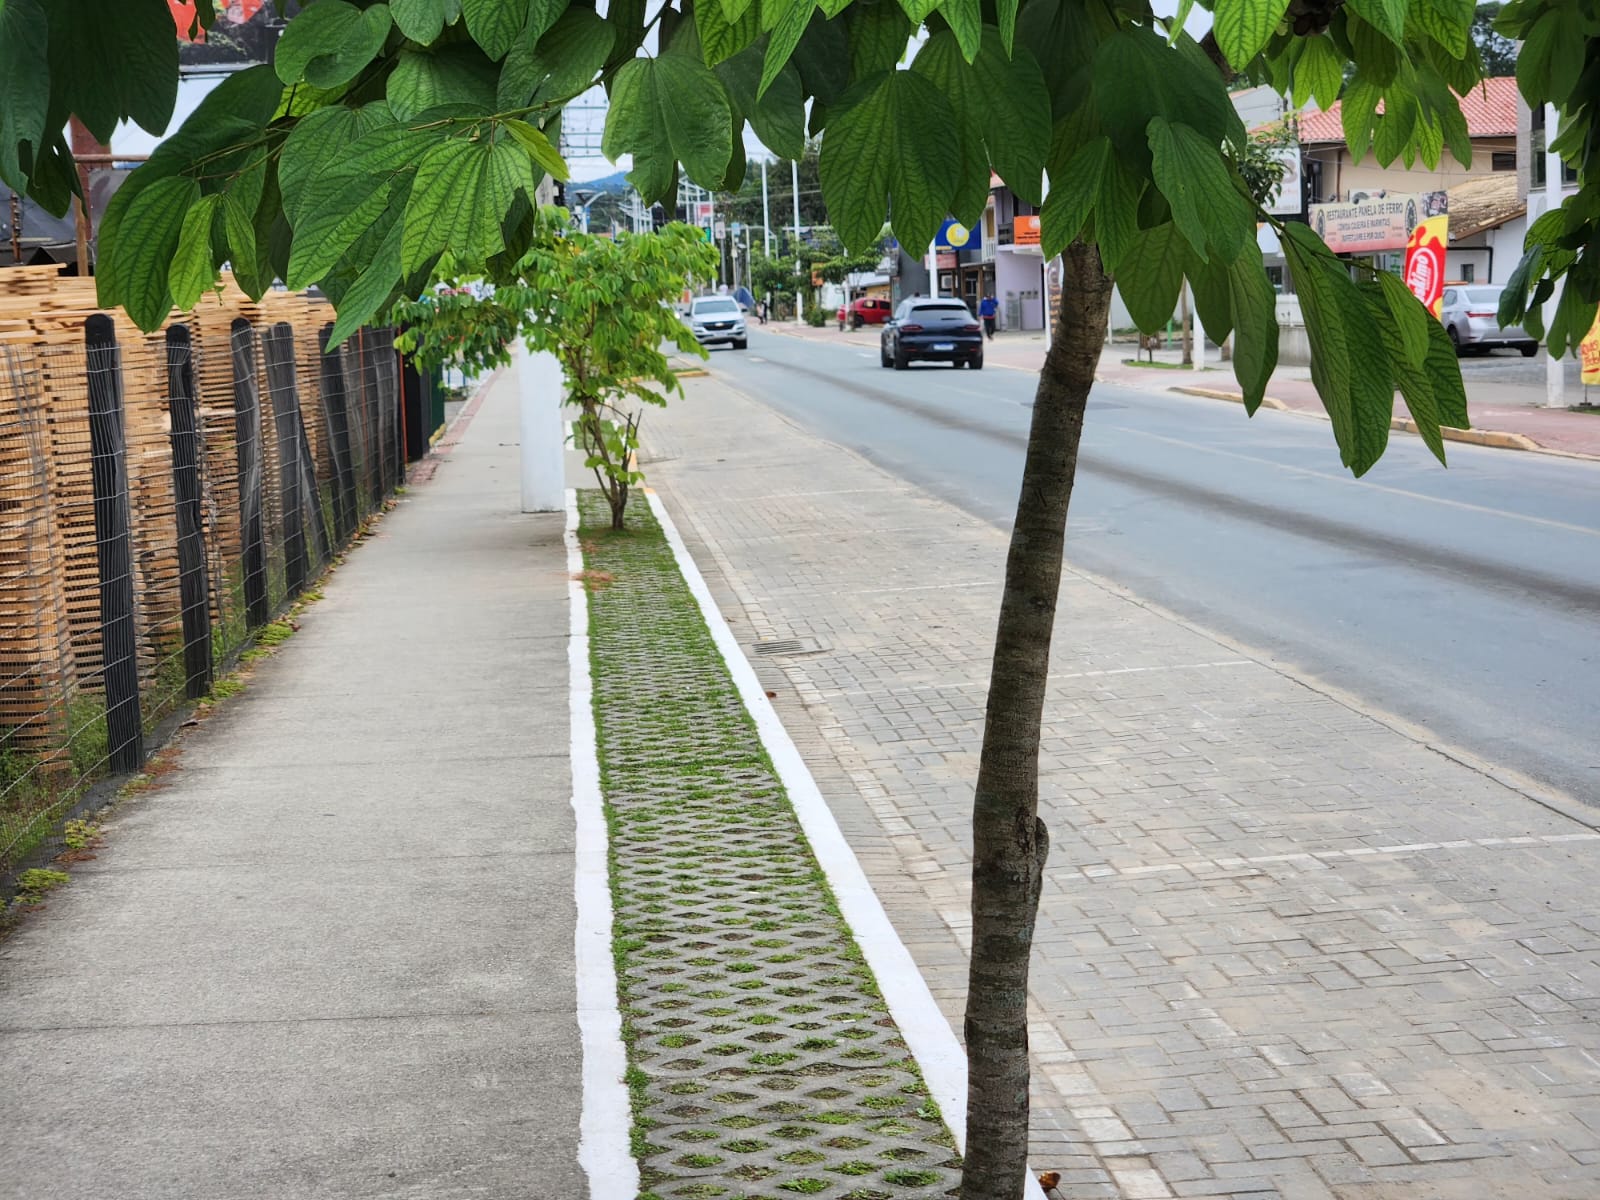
1589	354
1025	231
1374	223
1424	267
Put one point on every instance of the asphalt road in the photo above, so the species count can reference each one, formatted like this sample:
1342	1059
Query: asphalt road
1465	600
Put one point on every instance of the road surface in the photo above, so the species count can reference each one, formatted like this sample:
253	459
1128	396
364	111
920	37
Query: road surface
1466	601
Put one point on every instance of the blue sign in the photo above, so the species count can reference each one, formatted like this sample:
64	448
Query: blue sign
953	235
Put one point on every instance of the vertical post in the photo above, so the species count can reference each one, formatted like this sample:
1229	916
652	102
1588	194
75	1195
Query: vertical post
766	209
294	448
336	408
285	416
371	422
540	394
799	299
247	442
1555	378
118	643
194	584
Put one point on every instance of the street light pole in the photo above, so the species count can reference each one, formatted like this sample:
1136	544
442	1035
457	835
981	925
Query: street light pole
766	209
799	314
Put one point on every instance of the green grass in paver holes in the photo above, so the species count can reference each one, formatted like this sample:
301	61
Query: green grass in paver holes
763	1063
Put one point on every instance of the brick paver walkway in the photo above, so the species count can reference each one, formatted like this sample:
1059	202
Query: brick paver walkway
1285	949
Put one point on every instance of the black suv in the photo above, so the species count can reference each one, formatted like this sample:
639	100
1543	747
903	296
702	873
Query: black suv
924	330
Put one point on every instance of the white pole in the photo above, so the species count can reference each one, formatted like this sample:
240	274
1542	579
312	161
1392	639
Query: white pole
1555	376
766	209
1199	342
932	261
799	298
539	394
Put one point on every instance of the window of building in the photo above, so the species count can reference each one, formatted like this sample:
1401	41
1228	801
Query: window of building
1503	160
1469	273
1536	171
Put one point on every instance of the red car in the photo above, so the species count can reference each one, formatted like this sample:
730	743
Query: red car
868	310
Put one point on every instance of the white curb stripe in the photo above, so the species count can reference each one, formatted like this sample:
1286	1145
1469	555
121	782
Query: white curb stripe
607	1118
932	1042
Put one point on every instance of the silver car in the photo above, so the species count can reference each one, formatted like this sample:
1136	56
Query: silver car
1469	318
716	320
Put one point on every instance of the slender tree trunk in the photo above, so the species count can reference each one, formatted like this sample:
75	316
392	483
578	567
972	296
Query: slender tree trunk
1009	840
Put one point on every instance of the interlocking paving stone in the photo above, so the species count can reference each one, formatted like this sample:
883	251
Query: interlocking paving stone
1254	890
765	1064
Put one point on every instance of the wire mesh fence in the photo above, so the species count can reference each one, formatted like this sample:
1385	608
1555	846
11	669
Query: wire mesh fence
164	498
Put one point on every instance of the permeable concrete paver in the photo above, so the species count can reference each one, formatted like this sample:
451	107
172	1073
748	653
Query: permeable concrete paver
1285	948
331	955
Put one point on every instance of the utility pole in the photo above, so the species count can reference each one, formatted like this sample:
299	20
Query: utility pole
766	209
1183	323
799	302
1555	378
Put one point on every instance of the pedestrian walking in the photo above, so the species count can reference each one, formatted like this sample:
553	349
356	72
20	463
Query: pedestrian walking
988	310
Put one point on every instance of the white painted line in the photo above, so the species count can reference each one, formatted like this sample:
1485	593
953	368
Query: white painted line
606	1121
931	1040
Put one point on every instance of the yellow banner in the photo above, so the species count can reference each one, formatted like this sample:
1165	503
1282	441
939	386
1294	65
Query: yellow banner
1589	353
1424	266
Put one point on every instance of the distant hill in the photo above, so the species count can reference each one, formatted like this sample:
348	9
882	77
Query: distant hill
617	181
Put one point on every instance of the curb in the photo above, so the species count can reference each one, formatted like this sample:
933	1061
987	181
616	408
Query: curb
1493	438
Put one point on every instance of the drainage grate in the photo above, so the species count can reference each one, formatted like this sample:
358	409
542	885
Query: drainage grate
786	646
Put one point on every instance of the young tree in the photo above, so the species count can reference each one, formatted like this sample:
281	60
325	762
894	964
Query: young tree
385	135
602	306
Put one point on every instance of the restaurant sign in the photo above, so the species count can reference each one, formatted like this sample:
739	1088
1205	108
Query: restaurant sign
1374	223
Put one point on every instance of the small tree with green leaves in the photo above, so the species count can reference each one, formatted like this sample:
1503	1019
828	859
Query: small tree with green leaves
603	307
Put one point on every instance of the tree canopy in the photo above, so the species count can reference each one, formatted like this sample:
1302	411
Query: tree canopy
386	135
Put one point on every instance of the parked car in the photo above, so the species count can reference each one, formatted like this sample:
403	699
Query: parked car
1469	318
716	321
925	330
867	310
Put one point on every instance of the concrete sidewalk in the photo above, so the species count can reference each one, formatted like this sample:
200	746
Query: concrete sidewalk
1504	395
331	955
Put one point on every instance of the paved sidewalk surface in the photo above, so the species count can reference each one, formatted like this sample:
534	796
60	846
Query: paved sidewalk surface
1285	950
1505	392
331	955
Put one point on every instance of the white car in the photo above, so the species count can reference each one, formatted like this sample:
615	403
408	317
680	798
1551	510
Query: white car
718	320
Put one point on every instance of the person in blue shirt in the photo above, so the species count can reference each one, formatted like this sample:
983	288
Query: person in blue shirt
988	310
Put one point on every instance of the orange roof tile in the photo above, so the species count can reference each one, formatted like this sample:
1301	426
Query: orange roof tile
1490	109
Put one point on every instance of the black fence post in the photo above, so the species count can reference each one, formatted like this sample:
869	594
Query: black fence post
194	584
247	439
118	640
371	423
298	472
335	408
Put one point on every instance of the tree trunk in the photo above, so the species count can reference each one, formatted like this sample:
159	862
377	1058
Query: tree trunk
1009	840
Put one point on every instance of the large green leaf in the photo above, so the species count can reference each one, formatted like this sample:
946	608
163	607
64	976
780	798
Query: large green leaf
1319	73
665	111
149	240
113	59
373	290
888	149
1003	100
1206	206
1443	368
1552	55
1407	317
463	189
1061	36
495	24
785	38
823	57
1357	111
244	253
1072	196
878	36
329	42
420	20
192	270
1255	325
1116	212
1349	364
1137	76
459	73
324	139
1387	16
24	87
545	156
965	18
560	64
1448	22
1151	275
720	38
1243	27
778	117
